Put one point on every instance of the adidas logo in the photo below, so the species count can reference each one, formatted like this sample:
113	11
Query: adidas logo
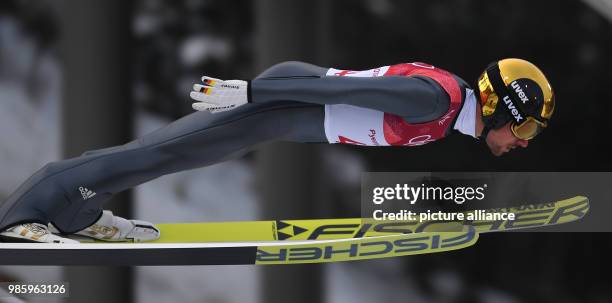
86	193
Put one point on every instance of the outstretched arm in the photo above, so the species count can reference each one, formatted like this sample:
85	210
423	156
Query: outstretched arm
416	99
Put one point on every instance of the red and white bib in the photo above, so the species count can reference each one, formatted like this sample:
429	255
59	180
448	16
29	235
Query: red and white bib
362	126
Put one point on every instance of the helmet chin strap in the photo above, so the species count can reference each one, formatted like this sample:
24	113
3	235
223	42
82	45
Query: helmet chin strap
486	127
487	124
485	132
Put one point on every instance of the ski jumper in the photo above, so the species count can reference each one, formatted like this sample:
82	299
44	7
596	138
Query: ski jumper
291	101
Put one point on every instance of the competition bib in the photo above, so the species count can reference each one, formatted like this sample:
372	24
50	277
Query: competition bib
362	126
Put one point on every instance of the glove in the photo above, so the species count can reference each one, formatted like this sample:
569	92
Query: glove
218	96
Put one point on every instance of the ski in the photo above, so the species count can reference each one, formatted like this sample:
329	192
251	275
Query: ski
292	241
526	216
236	253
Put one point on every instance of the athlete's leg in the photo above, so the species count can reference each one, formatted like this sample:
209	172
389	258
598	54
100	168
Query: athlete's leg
57	194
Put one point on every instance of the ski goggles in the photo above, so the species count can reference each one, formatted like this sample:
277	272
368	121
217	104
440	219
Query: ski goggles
528	129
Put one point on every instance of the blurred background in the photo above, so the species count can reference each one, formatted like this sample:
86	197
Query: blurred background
79	75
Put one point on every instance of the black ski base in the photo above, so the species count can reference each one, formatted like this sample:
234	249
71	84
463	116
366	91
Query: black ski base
130	257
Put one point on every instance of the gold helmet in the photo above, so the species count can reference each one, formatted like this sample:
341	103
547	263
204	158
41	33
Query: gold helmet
515	90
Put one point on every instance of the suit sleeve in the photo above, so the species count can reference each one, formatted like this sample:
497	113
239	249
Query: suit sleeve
416	99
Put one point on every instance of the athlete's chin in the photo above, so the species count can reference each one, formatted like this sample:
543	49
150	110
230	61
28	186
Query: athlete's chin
499	152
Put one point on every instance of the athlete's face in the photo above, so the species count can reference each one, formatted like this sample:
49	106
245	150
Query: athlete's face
502	140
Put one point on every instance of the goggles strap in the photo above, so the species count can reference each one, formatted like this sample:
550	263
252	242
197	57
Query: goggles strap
510	101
